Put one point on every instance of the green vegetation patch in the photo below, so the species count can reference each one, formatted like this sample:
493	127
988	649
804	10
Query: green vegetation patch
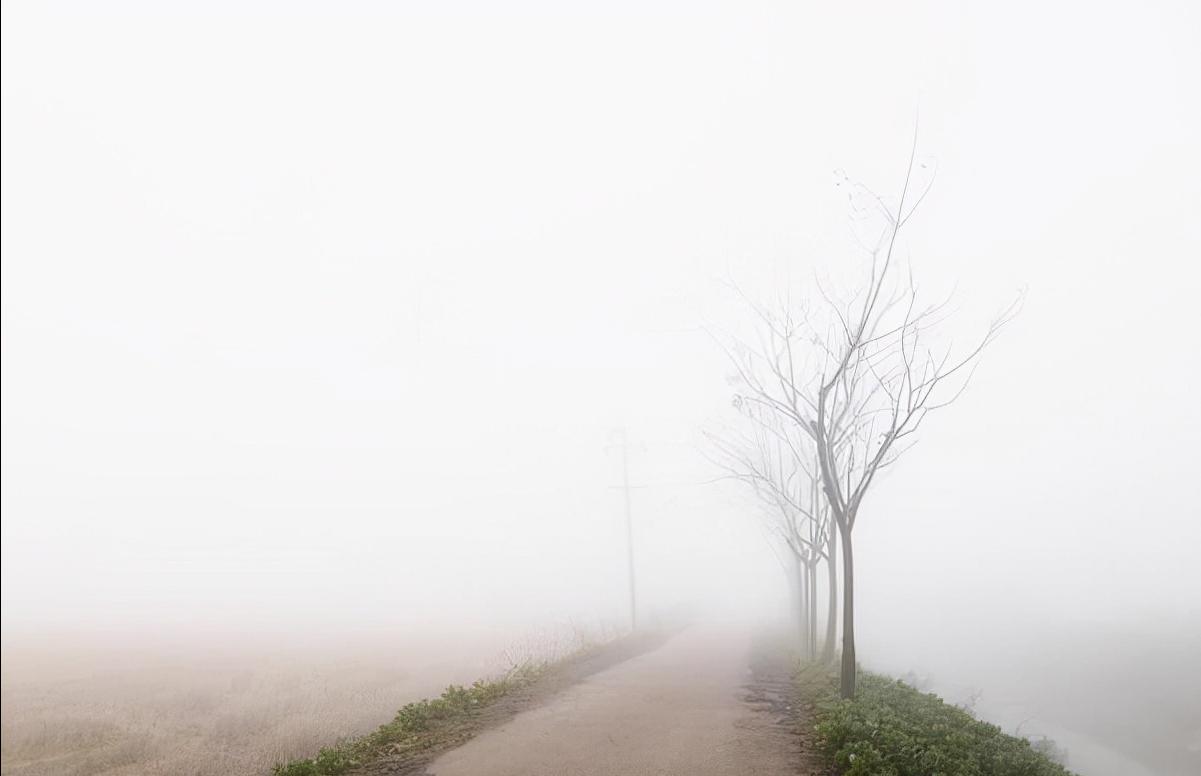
892	729
416	727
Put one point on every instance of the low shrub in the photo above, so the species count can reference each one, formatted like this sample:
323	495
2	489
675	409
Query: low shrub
413	728
892	729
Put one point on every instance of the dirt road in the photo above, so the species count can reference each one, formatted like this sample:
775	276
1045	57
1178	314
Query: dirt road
692	707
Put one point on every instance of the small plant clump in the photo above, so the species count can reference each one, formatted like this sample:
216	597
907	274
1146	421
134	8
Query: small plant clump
892	729
415	727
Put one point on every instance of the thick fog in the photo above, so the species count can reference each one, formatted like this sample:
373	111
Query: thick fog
322	320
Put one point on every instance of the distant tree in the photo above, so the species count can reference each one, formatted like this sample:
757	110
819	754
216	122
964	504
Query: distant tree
781	470
858	376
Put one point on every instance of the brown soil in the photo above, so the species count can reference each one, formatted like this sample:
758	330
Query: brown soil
774	693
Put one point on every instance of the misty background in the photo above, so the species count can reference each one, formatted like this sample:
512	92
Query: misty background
320	321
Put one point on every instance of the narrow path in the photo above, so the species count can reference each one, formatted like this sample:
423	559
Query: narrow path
689	708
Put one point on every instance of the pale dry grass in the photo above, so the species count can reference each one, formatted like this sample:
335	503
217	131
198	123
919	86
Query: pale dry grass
71	711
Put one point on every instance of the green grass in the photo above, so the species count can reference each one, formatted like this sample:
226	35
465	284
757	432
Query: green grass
417	726
892	729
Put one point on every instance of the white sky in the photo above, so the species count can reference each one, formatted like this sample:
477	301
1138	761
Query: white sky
330	313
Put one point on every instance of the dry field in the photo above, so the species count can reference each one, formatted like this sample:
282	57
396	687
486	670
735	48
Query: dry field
184	710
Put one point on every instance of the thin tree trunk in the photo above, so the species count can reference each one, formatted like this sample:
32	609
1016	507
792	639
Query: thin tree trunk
794	598
813	610
847	683
831	594
794	604
802	608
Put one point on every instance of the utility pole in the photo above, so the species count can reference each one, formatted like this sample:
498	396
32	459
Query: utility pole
625	476
623	443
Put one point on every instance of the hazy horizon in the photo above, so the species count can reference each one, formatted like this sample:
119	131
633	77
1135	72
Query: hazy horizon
322	319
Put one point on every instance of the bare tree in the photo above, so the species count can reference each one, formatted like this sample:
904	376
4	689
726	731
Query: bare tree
781	468
873	376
